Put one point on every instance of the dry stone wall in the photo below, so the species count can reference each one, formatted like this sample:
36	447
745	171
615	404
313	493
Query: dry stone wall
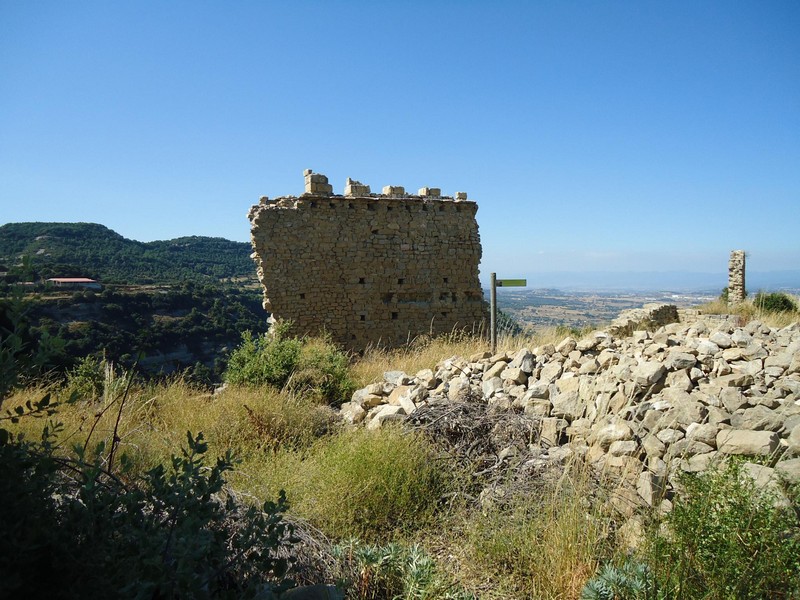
640	407
369	268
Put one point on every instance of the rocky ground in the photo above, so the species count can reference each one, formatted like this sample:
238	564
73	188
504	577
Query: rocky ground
656	394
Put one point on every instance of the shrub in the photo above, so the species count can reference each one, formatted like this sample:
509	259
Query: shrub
630	581
314	367
72	530
392	572
322	372
727	539
775	302
264	360
87	379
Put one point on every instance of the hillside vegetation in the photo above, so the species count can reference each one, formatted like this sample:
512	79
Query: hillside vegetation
115	483
34	251
162	328
398	512
166	305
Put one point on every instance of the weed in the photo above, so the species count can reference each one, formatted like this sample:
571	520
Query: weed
727	539
369	484
630	581
392	572
545	546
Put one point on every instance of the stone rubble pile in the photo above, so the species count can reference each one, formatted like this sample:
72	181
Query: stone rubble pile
640	408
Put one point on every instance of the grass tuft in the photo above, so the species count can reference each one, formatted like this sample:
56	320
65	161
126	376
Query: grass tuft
545	546
369	484
758	308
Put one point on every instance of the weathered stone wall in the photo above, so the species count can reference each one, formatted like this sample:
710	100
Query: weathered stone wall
736	289
369	268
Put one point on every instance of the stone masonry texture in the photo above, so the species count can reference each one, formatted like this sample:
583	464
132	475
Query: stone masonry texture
736	289
369	268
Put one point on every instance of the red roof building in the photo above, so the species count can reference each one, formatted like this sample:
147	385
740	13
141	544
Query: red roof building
74	282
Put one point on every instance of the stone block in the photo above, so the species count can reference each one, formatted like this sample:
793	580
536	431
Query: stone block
551	431
746	442
394	191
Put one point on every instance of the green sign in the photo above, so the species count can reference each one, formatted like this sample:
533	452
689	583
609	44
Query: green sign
512	282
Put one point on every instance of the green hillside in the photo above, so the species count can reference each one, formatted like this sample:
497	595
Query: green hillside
35	251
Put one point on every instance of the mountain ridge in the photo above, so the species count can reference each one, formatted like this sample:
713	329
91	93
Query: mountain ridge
38	250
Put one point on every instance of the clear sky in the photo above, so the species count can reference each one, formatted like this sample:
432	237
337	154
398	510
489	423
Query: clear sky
595	136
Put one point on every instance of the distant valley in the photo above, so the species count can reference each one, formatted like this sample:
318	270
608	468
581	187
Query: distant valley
548	307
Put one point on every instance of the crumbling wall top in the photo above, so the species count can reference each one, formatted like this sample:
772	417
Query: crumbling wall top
316	184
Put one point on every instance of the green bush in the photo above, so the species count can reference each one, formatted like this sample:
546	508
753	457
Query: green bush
87	379
264	360
24	353
323	372
312	367
726	539
369	483
71	529
775	302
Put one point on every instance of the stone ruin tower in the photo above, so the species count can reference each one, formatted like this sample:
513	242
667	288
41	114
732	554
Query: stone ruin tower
736	289
369	268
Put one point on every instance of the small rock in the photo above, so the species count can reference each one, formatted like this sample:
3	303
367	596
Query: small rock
352	413
396	378
613	432
490	386
494	370
623	448
648	373
676	361
566	346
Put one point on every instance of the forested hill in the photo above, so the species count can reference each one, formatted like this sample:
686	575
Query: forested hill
35	251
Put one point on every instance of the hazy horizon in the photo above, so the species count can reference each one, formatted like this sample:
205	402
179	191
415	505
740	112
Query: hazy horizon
660	281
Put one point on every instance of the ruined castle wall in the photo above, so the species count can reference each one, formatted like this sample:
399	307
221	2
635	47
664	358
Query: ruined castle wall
736	287
369	268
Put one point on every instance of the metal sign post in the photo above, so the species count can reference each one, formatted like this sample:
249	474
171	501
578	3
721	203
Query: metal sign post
493	297
493	314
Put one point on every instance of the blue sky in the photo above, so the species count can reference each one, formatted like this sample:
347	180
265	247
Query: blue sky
595	136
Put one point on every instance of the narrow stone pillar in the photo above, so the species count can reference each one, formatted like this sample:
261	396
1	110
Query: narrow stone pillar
736	290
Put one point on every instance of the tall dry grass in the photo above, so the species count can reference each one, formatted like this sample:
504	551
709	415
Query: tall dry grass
544	546
749	311
425	353
152	420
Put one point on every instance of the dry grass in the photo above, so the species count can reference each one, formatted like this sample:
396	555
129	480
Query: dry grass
544	546
155	419
748	311
425	353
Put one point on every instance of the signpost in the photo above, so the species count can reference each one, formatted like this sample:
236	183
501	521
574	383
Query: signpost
493	295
